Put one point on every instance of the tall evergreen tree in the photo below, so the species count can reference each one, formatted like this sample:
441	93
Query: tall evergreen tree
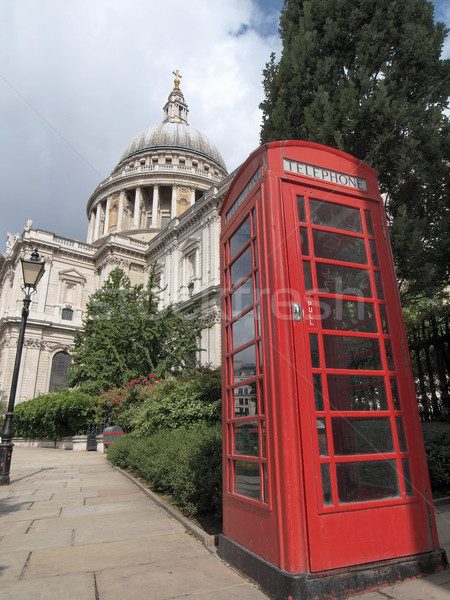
125	336
366	77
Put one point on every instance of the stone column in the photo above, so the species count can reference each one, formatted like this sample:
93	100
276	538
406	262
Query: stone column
121	207
42	289
137	208
173	208
91	228
192	196
106	224
97	221
155	207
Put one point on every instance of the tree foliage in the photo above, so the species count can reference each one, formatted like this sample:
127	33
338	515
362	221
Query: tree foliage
366	77
125	336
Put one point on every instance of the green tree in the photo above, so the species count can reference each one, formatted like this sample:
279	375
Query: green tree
366	77
125	336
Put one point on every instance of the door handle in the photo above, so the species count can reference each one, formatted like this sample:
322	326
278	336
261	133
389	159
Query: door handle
297	311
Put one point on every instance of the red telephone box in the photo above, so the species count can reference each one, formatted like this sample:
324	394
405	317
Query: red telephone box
326	487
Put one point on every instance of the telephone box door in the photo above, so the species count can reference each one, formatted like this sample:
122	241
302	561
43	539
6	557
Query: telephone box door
358	433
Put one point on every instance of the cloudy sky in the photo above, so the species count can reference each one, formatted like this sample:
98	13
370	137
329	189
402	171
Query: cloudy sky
80	78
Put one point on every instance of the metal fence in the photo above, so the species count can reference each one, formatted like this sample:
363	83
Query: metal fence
429	345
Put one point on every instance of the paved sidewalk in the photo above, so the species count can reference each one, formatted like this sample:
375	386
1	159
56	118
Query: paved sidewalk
72	527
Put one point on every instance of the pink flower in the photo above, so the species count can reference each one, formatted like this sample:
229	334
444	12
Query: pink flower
116	401
152	375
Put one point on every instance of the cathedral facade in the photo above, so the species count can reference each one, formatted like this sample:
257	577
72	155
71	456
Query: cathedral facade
159	206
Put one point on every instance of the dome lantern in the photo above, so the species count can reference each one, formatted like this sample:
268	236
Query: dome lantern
175	109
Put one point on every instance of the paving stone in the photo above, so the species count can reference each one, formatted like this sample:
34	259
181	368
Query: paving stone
76	511
119	531
166	579
95	557
65	587
12	565
420	589
51	511
14	527
9	505
245	591
120	490
32	541
105	521
112	499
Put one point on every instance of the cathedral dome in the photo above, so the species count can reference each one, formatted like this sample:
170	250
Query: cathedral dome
172	135
162	172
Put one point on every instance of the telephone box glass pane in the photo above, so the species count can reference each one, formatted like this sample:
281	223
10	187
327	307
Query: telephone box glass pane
244	363
365	481
373	252
318	397
245	400
307	276
394	392
242	298
378	285
338	279
240	238
384	320
401	434
322	436
314	347
243	330
266	484
359	435
326	484
301	209
241	267
336	216
348	315
247	479
304	241
345	352
369	223
246	438
409	488
357	392
389	355
336	246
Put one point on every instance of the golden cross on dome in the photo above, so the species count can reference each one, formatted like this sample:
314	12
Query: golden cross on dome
177	79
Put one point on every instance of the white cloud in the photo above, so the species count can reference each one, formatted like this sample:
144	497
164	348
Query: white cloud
79	79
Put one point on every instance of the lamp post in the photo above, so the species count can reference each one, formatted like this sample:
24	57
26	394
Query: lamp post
32	270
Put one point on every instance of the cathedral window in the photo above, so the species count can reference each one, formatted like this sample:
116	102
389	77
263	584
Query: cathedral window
60	371
67	314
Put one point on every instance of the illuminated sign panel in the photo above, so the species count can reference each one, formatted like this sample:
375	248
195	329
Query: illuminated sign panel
325	174
246	191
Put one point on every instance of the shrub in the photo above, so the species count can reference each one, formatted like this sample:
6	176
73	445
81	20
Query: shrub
179	403
437	449
184	463
54	415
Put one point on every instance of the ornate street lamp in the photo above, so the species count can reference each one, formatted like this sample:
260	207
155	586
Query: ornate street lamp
32	269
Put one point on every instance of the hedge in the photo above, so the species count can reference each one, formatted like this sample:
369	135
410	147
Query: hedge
437	449
183	463
54	415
